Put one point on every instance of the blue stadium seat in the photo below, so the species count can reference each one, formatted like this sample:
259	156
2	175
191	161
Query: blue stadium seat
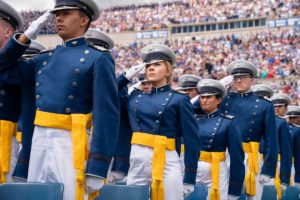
291	193
200	193
31	191
124	192
269	192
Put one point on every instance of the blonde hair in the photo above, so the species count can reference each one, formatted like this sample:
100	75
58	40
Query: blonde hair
170	71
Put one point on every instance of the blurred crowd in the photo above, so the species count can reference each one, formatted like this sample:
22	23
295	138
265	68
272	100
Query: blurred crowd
276	53
159	16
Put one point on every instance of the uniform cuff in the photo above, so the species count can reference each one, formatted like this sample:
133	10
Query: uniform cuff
97	168
190	176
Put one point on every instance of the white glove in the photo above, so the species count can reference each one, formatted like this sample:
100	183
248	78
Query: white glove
194	99
227	80
134	70
264	179
297	185
93	183
233	197
283	187
116	176
188	189
35	27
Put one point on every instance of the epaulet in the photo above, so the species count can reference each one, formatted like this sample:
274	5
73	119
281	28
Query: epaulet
179	92
46	51
265	98
99	48
227	116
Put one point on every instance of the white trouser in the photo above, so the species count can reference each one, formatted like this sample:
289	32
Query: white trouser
13	159
141	166
51	159
204	177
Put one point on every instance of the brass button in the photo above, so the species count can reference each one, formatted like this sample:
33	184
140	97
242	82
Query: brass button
77	71
37	84
68	110
37	97
44	63
70	97
2	92
74	84
40	72
1	104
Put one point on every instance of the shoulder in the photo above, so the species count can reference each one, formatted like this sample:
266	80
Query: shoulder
230	117
98	48
265	99
178	92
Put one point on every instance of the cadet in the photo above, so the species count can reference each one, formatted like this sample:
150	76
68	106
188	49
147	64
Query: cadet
72	81
218	133
293	114
188	84
283	172
157	119
255	117
10	103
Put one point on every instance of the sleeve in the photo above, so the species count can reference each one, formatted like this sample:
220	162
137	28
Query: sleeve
106	116
285	145
190	132
270	143
296	152
121	158
12	69
237	167
122	82
27	123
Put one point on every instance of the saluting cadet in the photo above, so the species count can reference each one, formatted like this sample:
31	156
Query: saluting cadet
293	114
284	165
26	122
218	133
10	102
157	119
255	118
188	84
72	81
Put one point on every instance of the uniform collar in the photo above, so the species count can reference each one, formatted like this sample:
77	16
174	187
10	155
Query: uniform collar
245	94
162	88
75	42
213	114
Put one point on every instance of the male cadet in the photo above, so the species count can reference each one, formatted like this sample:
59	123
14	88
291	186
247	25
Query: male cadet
73	80
293	115
188	84
121	158
283	173
255	117
10	102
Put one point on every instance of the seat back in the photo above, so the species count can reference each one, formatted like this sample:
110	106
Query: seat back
291	193
127	192
200	193
269	192
31	191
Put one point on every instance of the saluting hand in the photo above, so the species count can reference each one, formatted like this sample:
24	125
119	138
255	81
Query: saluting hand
35	27
134	70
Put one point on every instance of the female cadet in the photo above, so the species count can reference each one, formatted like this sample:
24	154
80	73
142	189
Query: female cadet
157	118
218	133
